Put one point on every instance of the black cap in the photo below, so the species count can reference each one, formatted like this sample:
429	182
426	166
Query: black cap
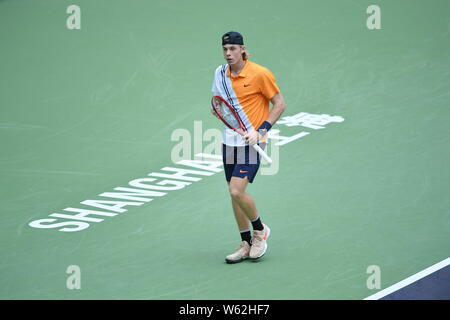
232	37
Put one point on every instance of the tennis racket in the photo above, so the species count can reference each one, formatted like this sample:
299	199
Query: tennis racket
230	118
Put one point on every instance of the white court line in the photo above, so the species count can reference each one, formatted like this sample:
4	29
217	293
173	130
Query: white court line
409	280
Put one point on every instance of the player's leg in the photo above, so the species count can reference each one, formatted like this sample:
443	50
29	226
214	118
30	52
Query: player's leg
242	220
247	205
243	251
243	174
241	199
244	169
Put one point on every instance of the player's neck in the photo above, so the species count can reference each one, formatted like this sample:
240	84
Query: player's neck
237	67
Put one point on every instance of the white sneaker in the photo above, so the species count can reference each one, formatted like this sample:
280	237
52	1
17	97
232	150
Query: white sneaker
259	243
241	253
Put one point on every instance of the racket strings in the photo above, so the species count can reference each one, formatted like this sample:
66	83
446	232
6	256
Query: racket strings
229	116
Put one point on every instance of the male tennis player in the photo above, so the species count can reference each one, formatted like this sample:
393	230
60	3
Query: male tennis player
249	88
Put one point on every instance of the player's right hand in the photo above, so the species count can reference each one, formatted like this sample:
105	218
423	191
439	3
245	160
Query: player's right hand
216	105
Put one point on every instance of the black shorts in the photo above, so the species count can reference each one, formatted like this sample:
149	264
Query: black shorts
241	161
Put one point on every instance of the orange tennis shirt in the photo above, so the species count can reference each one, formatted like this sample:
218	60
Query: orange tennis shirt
249	93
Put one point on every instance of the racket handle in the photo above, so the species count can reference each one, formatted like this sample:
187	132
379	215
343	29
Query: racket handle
262	153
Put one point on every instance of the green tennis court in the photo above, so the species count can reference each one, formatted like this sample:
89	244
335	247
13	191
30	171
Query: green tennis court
87	110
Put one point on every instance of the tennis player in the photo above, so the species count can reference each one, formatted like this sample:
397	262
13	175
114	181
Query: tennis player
249	88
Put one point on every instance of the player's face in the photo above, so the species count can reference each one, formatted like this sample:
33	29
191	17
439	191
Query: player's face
232	53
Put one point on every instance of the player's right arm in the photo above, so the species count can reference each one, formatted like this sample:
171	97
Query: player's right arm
215	91
216	105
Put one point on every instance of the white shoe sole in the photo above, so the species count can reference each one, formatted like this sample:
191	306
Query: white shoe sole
229	261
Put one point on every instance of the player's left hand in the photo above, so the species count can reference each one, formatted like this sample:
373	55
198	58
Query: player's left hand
252	138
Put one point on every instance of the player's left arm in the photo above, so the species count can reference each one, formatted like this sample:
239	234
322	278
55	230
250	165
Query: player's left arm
278	107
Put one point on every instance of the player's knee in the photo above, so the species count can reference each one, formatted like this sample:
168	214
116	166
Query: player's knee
236	193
